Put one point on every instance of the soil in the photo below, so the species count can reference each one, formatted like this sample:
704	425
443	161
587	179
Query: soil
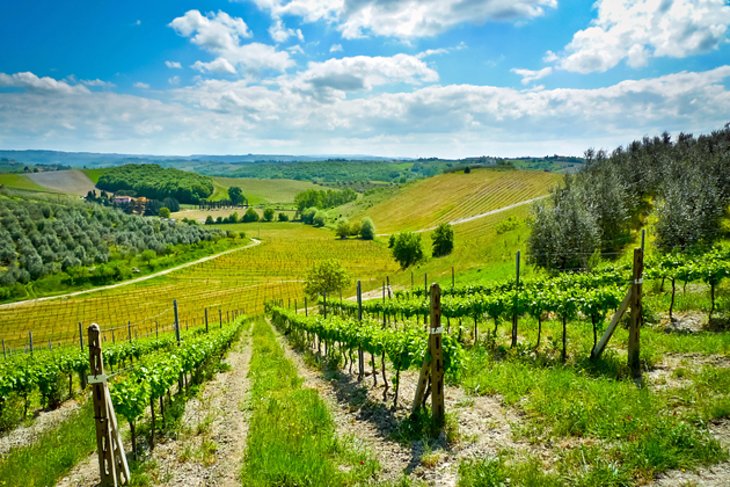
209	448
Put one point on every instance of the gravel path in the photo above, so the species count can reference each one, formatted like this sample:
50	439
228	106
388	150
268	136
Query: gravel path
208	451
484	426
24	435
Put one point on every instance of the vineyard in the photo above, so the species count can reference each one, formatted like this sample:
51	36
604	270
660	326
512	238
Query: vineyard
525	400
449	197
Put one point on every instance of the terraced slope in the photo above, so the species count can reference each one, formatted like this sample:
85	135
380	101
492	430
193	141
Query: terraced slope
449	197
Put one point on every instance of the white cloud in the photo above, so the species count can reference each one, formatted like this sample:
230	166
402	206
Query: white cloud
174	80
30	81
221	35
638	30
528	75
213	32
219	65
97	83
406	19
336	48
280	33
335	77
173	64
218	116
141	86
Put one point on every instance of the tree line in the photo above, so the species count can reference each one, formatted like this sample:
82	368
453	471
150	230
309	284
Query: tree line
686	181
155	182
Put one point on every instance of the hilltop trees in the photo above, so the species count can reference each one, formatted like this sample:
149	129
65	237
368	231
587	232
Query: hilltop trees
155	182
323	199
367	229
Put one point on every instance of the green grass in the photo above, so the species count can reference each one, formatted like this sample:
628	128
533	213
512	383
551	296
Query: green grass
637	432
53	454
291	439
20	181
262	191
94	174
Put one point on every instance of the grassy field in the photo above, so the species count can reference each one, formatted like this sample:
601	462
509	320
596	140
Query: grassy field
448	197
72	182
239	281
20	181
262	191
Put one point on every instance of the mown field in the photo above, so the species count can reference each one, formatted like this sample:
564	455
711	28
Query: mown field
20	181
72	182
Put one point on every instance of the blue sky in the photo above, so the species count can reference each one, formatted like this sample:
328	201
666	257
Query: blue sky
449	78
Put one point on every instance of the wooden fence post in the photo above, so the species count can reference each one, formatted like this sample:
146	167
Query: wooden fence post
635	318
360	353
81	337
129	331
5	354
113	468
437	359
206	320
30	339
516	298
220	318
177	321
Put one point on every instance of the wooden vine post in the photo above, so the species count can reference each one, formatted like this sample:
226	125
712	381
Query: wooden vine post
514	312
432	369
360	353
636	309
437	359
113	468
632	300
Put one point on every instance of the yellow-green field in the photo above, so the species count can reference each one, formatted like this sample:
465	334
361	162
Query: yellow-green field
276	268
262	191
447	197
19	181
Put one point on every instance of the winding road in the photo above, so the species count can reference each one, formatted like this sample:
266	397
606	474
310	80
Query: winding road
254	243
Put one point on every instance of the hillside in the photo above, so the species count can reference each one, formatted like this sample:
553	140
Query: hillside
448	197
262	191
69	182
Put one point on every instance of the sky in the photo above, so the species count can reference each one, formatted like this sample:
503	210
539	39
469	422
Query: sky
444	78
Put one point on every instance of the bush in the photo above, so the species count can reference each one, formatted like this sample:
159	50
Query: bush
269	214
250	216
319	218
164	212
407	249
343	228
443	240
308	215
367	229
283	217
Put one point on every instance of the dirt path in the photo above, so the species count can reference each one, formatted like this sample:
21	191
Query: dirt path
466	219
483	426
209	447
209	450
254	243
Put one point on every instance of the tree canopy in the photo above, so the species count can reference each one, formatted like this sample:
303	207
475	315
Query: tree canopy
407	249
326	277
155	182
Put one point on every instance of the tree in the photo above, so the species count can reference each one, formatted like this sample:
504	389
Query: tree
326	277
308	215
343	228
319	218
250	216
209	220
164	212
442	240
235	194
367	229
171	203
283	217
407	249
